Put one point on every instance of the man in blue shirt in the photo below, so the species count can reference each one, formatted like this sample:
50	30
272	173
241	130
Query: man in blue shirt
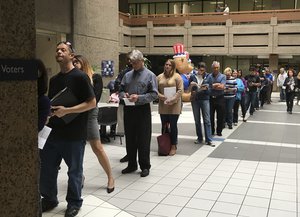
217	82
138	88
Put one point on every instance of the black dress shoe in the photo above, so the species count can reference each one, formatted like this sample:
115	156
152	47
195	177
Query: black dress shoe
129	170
219	134
48	205
72	211
210	144
145	172
124	159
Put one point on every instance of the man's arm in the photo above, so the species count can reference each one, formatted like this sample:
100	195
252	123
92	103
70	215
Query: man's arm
61	111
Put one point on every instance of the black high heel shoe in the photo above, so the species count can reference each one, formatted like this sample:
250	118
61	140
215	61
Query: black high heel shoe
109	190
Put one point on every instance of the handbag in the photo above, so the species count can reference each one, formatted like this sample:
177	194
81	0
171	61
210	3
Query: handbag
164	143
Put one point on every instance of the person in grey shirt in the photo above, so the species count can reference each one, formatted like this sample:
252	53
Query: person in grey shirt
138	86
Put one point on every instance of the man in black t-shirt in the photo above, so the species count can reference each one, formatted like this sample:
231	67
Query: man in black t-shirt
67	138
253	82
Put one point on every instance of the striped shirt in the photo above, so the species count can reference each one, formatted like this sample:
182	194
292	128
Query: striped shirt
230	88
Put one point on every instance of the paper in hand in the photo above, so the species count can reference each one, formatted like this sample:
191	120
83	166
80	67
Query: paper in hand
127	102
43	135
169	92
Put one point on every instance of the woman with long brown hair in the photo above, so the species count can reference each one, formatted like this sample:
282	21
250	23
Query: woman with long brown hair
93	135
169	108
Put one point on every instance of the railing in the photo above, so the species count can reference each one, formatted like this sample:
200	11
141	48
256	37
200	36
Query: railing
206	18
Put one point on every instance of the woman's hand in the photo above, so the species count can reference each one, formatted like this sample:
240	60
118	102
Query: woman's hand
162	97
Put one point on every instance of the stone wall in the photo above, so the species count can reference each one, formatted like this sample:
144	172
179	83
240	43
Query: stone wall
19	161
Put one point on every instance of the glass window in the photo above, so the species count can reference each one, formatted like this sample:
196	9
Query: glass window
152	8
132	9
210	6
287	4
233	5
247	5
162	8
172	5
230	62
144	9
196	7
267	5
258	5
298	4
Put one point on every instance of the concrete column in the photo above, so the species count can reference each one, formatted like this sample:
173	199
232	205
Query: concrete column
150	37
177	9
185	8
273	65
19	161
96	31
228	37
273	62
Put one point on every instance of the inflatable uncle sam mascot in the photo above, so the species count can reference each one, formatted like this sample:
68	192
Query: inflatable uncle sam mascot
184	67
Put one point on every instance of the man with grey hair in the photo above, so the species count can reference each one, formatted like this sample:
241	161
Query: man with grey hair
280	81
217	82
138	88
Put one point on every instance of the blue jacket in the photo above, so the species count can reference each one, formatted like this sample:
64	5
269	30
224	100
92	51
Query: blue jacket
240	89
200	94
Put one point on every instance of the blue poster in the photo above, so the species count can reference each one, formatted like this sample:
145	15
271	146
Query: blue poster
107	68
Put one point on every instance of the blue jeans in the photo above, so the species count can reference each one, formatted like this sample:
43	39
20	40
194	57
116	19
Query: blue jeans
198	106
172	120
251	99
229	102
282	94
51	156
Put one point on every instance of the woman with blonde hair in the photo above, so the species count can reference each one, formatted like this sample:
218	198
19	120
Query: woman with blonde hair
229	96
169	108
93	135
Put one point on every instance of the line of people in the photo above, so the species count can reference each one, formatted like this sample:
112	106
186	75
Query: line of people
215	95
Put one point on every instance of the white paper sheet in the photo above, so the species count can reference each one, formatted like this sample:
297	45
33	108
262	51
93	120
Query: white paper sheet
169	92
128	103
43	135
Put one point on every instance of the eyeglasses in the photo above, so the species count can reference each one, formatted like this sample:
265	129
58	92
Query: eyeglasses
68	44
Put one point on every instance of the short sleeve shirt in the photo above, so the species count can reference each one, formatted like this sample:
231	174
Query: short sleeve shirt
79	83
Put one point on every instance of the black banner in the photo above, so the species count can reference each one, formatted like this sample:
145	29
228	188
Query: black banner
18	69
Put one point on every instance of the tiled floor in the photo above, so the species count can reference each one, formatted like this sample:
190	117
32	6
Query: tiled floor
252	171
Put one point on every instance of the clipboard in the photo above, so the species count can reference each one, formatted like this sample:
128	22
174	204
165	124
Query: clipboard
66	98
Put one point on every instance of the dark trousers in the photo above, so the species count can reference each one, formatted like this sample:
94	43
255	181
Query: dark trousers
217	105
263	96
137	124
172	120
236	106
289	101
251	100
51	156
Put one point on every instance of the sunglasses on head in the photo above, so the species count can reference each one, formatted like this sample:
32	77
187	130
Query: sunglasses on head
68	44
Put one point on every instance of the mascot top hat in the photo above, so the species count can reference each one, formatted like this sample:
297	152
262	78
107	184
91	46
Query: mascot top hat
179	51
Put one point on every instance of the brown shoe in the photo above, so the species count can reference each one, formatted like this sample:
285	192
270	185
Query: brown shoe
173	150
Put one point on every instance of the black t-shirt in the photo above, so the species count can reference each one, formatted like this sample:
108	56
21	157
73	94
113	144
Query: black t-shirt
252	79
79	83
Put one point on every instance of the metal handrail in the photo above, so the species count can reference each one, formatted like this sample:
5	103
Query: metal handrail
215	17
